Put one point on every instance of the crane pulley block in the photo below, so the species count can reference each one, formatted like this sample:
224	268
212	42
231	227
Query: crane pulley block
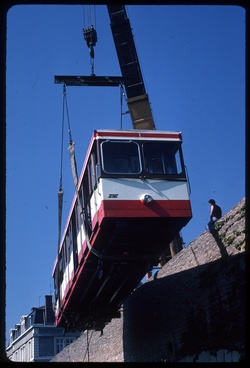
90	36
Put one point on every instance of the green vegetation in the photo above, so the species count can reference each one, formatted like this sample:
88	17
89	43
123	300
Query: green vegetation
228	240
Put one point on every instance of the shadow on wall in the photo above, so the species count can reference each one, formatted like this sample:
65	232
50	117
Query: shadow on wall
220	244
182	315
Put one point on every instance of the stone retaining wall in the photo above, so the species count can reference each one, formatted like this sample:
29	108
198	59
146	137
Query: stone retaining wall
193	309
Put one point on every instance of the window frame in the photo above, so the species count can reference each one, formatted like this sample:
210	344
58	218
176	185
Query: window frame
168	176
120	173
143	173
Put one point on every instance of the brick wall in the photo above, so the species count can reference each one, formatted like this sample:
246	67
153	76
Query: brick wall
193	309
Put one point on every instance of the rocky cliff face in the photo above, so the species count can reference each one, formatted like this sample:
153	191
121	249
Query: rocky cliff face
193	309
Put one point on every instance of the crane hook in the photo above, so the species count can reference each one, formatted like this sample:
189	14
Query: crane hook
90	37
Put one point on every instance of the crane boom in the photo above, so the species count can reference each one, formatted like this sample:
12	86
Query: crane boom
137	98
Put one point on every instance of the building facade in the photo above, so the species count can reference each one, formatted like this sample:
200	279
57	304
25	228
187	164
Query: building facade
36	338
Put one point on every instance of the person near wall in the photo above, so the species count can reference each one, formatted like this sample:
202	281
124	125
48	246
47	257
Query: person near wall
215	214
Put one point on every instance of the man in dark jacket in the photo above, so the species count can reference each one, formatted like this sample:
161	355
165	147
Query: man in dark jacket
215	214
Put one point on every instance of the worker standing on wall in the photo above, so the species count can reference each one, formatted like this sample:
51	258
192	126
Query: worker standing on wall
215	214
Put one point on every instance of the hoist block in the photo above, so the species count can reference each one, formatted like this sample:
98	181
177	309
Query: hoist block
90	36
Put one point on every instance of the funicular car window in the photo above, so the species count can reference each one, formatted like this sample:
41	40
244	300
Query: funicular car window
162	158
120	157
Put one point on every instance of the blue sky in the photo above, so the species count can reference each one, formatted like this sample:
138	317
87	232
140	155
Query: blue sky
193	64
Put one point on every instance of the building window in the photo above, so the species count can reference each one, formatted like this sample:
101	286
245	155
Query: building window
29	351
46	346
23	357
61	343
68	341
23	324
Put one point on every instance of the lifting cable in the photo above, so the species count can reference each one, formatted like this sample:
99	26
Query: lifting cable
60	190
90	35
60	208
88	343
73	163
71	147
71	150
122	96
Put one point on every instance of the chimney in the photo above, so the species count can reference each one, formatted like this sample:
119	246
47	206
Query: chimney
49	313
